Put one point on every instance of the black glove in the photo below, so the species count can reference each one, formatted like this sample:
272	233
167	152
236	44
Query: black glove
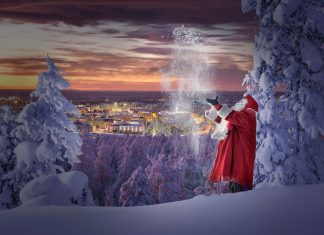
213	102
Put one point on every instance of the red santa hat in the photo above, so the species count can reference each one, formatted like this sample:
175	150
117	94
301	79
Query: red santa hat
251	103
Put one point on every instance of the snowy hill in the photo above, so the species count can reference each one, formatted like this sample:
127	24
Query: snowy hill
287	210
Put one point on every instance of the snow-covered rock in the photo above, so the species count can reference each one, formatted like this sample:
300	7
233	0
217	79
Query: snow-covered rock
63	189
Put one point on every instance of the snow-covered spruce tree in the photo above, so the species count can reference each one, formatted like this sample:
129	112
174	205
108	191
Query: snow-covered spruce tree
288	51
165	180
6	147
132	156
191	173
7	161
47	142
137	190
110	160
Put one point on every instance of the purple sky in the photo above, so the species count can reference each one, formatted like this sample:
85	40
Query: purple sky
119	44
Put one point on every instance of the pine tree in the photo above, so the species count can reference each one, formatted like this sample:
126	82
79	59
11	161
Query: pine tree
191	172
136	191
47	142
165	180
6	146
7	161
288	52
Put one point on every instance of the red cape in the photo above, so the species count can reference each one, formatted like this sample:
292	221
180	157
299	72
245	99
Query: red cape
236	153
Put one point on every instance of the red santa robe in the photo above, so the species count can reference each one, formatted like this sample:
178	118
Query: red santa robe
236	151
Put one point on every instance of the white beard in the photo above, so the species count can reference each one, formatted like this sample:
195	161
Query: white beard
240	105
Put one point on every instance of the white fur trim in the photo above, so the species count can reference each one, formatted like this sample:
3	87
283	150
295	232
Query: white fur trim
211	114
224	111
221	130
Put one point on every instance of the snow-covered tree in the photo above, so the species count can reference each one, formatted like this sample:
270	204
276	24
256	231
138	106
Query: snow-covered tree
7	160
46	139
191	172
288	54
6	146
110	160
165	180
105	169
137	191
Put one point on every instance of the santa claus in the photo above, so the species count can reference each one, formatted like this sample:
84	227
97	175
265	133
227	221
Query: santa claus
236	131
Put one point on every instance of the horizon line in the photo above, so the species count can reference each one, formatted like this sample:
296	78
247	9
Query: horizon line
11	89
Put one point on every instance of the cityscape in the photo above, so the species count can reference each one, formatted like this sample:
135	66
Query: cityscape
115	113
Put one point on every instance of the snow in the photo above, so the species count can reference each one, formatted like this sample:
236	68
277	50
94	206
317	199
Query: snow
248	5
317	16
285	210
26	154
311	56
61	190
279	14
285	9
3	145
221	130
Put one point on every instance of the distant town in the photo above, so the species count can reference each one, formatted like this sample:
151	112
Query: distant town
131	114
117	117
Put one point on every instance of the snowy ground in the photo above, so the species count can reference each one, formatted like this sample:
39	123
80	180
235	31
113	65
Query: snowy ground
290	210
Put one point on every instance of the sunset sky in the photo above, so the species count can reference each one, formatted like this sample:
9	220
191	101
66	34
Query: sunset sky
119	44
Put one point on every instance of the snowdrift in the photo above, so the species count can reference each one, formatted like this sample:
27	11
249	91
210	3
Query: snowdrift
65	189
286	210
